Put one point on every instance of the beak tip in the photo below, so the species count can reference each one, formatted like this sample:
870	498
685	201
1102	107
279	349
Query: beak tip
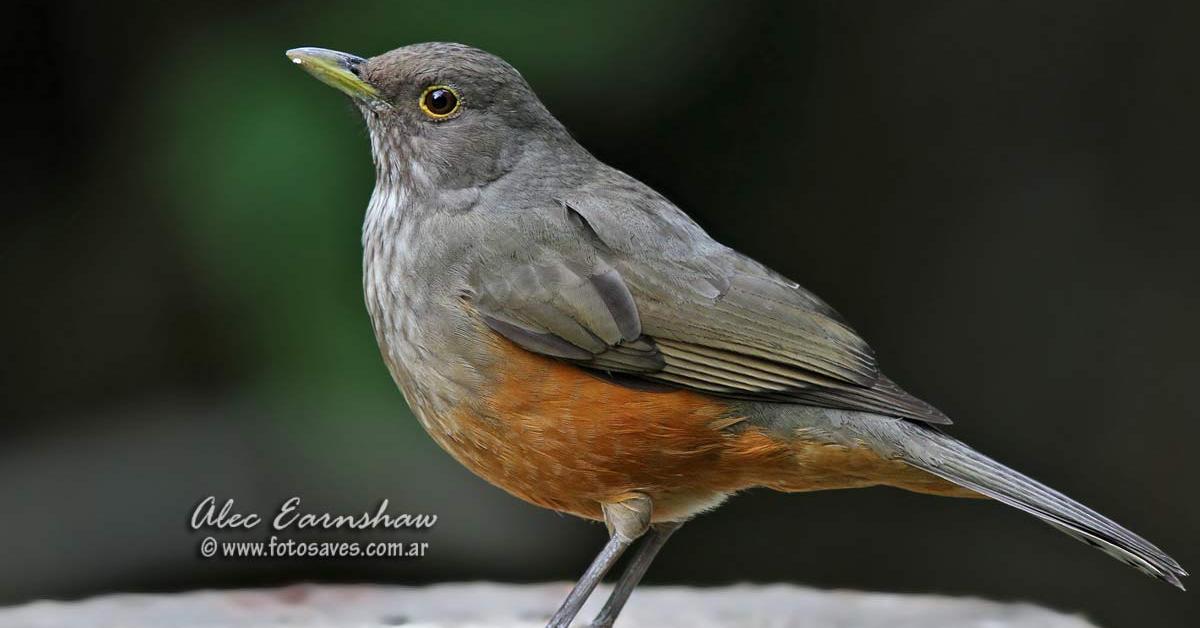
296	55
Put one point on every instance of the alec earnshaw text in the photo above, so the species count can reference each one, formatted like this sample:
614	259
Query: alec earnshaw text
290	516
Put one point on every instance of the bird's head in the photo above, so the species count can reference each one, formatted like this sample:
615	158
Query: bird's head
440	114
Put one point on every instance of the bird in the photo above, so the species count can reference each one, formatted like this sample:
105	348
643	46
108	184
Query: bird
573	337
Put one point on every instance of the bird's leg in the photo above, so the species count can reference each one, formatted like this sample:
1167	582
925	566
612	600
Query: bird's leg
654	541
626	520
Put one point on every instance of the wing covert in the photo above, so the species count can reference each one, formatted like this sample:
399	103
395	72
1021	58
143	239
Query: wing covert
625	283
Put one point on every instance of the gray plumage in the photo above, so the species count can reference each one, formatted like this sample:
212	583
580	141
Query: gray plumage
946	457
497	207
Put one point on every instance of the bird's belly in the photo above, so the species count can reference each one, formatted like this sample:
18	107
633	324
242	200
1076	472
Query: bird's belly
551	434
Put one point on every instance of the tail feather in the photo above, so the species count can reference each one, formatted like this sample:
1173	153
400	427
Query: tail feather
950	459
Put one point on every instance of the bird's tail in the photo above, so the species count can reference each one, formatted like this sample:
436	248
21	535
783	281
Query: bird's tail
933	451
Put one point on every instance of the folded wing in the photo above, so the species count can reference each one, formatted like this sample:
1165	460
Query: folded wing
640	303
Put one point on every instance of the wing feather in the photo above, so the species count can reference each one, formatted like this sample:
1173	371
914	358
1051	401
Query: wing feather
639	290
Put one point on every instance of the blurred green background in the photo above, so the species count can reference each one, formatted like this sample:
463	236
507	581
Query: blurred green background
1001	196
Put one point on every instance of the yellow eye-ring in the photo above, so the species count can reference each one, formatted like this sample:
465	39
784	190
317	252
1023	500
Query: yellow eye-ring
440	102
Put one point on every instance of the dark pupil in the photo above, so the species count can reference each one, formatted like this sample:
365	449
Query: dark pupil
440	101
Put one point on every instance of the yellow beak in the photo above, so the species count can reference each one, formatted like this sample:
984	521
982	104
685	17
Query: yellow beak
337	70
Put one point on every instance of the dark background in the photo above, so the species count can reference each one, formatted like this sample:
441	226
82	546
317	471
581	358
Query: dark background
1001	196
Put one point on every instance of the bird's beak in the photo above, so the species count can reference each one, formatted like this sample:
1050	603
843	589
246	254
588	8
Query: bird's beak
338	70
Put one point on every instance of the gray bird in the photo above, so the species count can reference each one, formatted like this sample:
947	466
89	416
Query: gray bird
573	337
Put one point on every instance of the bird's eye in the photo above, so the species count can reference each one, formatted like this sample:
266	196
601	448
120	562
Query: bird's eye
439	102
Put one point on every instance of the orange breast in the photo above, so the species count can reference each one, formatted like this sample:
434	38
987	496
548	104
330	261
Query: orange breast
551	434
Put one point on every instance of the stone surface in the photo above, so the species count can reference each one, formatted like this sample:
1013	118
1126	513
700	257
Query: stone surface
528	606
